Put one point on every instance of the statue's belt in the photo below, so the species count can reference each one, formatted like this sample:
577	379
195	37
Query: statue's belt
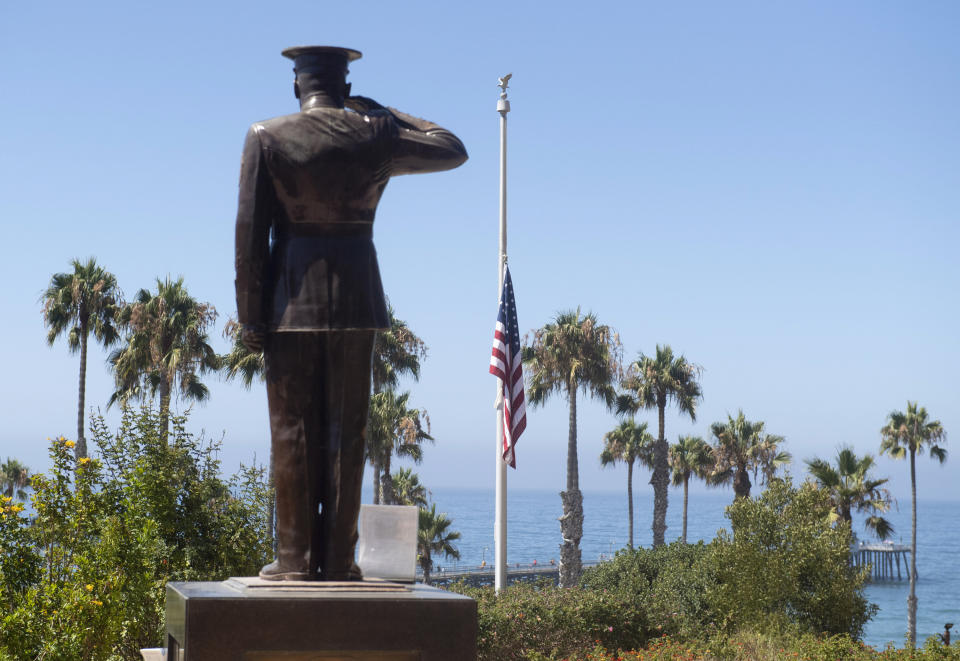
357	229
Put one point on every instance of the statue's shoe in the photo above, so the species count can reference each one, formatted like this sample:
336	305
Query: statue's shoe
352	573
275	572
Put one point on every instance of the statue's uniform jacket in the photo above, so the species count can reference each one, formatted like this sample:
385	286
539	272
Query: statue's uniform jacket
307	275
314	179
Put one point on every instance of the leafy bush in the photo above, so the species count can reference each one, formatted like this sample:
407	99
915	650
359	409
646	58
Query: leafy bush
786	565
668	584
753	646
110	532
783	576
526	620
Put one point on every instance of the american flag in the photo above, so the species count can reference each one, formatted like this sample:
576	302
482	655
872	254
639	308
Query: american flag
507	366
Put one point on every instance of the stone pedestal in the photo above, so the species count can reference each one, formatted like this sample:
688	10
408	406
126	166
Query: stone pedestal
248	619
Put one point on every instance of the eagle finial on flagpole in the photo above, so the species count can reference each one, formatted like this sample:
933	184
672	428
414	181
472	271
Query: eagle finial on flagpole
503	106
503	84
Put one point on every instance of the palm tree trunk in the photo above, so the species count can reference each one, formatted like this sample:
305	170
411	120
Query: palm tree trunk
660	480
386	483
686	494
573	467
81	448
912	599
741	483
630	498
376	482
164	407
571	523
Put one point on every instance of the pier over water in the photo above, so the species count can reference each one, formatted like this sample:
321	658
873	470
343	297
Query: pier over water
882	558
480	576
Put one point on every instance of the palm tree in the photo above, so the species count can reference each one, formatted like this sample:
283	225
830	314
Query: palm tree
769	458
407	489
14	478
240	362
393	428
851	488
76	304
690	456
628	443
396	352
741	447
434	536
572	353
167	347
909	434
653	382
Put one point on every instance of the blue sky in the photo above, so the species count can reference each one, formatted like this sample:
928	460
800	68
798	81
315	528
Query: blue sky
771	188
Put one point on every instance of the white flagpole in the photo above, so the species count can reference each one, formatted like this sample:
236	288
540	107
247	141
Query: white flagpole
500	520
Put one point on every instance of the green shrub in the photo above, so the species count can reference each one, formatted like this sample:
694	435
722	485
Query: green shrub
526	620
668	584
108	534
755	646
786	565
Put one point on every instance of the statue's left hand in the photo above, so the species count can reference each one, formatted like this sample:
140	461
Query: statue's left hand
252	338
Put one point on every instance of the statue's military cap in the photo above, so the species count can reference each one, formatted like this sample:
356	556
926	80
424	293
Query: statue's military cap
321	59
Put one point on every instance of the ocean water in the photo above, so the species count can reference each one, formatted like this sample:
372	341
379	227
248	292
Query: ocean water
533	534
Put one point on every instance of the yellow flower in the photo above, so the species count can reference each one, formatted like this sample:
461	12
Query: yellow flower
6	499
16	508
89	587
97	603
69	444
83	461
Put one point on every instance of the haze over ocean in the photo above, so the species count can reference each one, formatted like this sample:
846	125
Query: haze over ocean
534	534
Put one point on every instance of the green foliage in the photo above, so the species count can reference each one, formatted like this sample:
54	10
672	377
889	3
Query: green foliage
753	646
110	532
541	621
786	565
211	529
668	584
778	588
19	560
784	568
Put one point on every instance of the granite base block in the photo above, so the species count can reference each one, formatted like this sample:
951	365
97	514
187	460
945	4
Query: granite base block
247	619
